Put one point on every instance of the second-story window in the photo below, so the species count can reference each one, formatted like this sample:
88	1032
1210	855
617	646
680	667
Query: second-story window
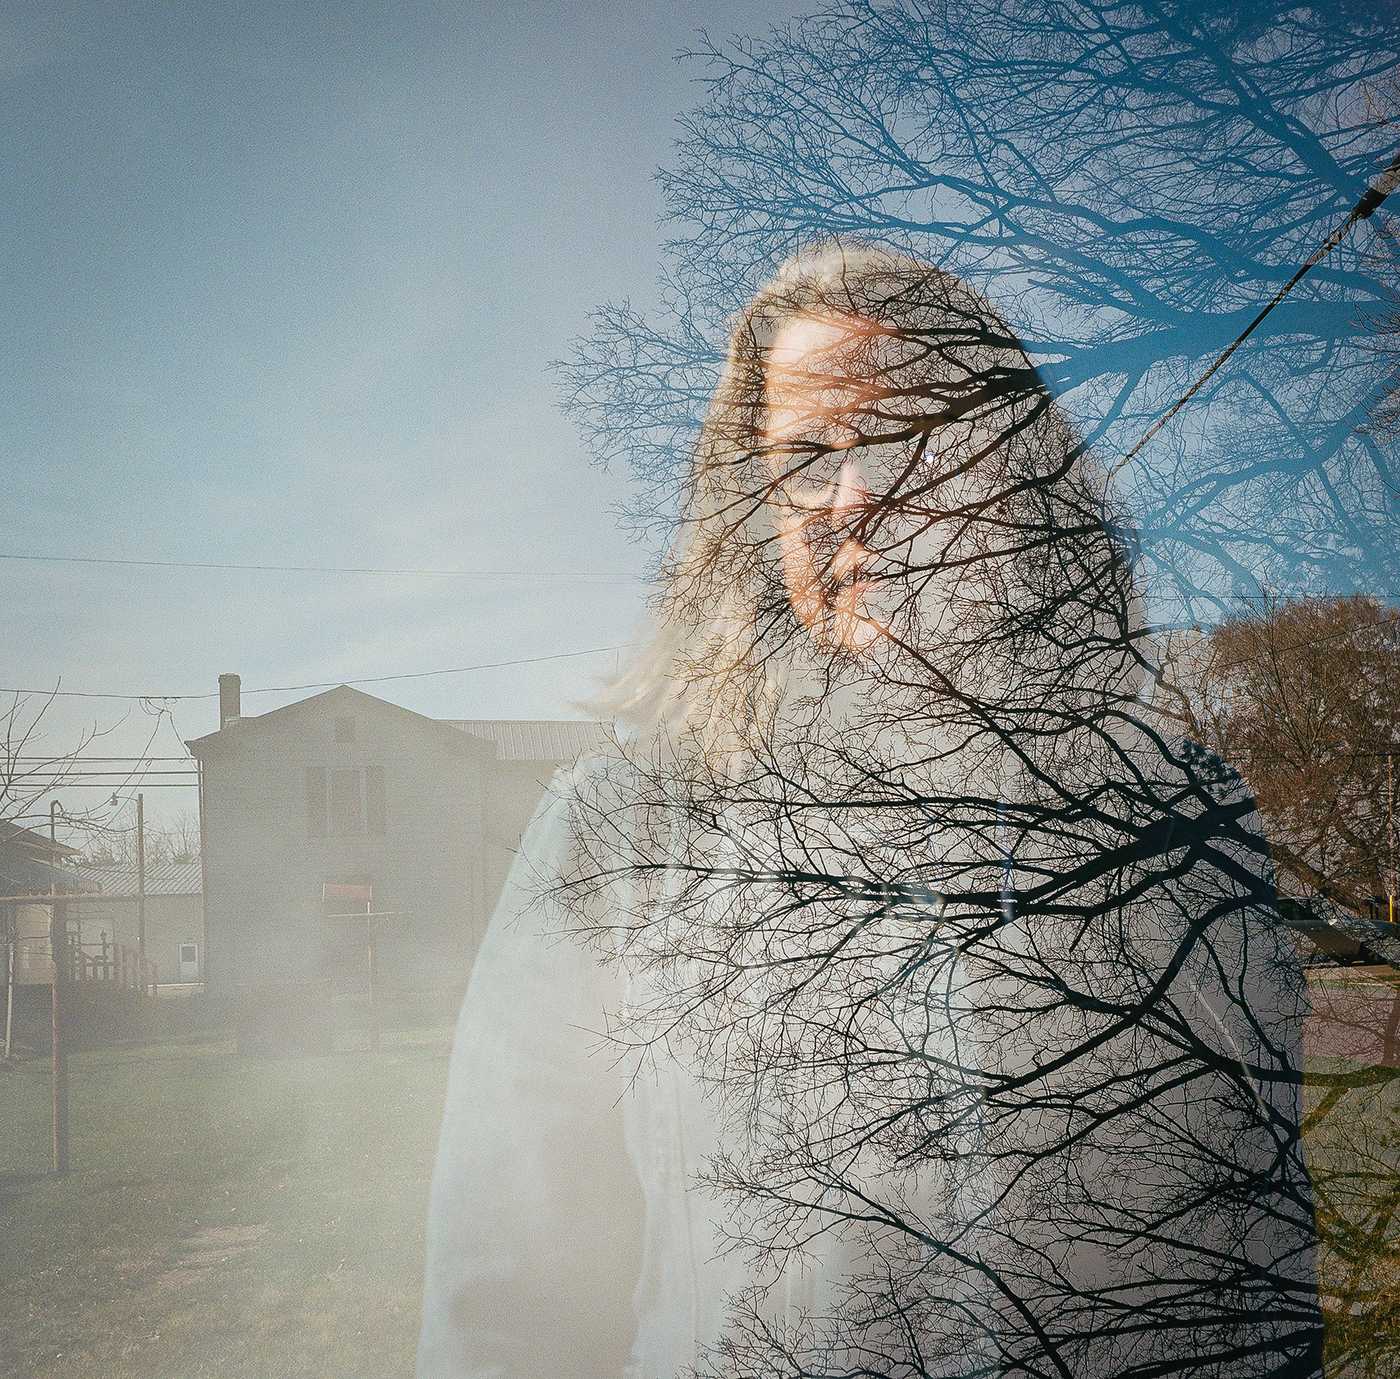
345	801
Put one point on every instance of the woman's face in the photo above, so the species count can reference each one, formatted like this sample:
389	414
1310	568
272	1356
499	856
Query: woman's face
811	438
844	434
875	442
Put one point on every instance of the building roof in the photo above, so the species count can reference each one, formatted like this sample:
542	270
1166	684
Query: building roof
514	739
162	878
32	843
30	864
534	739
339	698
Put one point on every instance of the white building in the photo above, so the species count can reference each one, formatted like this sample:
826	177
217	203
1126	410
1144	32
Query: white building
344	801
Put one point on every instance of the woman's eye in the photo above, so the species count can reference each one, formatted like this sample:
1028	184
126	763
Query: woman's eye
835	428
811	499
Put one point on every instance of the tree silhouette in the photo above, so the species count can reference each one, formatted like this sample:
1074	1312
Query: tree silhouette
1129	183
979	963
30	769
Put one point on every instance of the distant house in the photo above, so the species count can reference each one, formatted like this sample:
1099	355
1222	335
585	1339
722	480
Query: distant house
174	913
101	910
31	865
344	803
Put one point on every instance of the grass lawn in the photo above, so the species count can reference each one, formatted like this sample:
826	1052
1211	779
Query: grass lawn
226	1216
238	1218
1353	1146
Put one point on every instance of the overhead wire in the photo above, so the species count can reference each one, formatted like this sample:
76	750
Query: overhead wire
154	700
1370	202
542	576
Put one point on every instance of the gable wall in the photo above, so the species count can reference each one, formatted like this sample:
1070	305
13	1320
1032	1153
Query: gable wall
264	871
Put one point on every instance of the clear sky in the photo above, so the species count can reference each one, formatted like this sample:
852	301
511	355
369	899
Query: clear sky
281	285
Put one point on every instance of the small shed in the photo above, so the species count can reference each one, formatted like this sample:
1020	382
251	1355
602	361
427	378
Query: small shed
174	913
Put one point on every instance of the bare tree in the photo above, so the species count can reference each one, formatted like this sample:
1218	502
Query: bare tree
175	841
977	963
182	835
1130	184
1304	697
30	769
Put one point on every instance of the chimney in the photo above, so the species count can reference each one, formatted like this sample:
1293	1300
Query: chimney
230	700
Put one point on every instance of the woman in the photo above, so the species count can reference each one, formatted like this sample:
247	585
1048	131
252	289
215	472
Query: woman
898	999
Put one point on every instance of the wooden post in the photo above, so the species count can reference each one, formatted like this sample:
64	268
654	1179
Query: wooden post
58	948
11	940
106	960
141	891
203	865
373	998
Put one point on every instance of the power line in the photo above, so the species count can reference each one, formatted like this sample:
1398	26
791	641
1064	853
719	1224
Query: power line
1370	202
50	760
58	773
105	788
324	684
543	576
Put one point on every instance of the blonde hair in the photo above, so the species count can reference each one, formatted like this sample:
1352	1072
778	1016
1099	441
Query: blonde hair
698	676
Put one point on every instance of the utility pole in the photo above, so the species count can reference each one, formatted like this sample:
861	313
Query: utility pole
373	995
58	945
11	939
58	950
141	890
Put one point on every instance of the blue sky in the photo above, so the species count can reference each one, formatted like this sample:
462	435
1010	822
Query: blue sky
282	282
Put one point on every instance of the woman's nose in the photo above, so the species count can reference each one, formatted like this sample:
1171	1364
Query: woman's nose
851	491
851	499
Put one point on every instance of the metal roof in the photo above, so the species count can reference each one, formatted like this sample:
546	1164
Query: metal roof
534	739
162	878
515	739
32	842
